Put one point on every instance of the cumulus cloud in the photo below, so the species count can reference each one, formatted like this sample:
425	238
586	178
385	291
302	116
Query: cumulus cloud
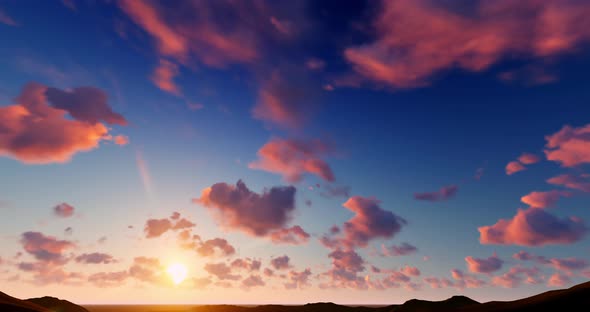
569	146
146	269
34	132
246	264
45	248
528	159
581	182
238	208
108	279
346	265
294	235
252	281
410	271
516	276
519	164
156	227
487	265
294	158
369	222
95	258
87	104
562	264
163	77
465	280
221	270
533	227
417	39
558	280
63	210
298	280
444	193
208	248
544	199
280	263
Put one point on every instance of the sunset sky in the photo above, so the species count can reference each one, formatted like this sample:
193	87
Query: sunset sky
293	151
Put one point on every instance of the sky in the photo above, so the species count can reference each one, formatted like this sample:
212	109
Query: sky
359	152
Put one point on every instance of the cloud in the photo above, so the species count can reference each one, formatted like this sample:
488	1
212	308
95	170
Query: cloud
45	273
108	279
6	19
294	158
298	280
163	77
294	235
221	270
544	199
208	247
533	227
410	271
285	99
146	269
280	263
331	191
569	146
400	250
345	268
558	280
95	258
514	167
487	265
528	159
369	222
87	104
156	227
562	264
516	276
252	281
464	280
34	132
444	193
415	40
121	140
238	208
581	183
63	210
315	64
246	264
45	248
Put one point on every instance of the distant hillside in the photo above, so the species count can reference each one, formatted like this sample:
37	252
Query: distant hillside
451	304
57	305
11	304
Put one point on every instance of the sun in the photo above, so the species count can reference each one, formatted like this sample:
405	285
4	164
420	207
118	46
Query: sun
177	272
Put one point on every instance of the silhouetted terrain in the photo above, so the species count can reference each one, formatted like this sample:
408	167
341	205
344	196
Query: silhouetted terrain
576	298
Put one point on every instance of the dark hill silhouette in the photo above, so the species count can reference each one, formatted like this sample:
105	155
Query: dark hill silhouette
450	304
57	305
11	304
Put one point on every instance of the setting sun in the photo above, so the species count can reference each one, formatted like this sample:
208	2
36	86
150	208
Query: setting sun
177	272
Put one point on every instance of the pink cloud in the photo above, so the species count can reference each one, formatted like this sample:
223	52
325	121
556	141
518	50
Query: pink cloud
568	264
528	159
294	158
464	280
108	279
415	40
544	199
163	77
410	271
45	248
345	268
298	280
156	227
294	235
121	140
63	210
444	193
533	227
246	264
370	221
571	181
516	276
146	269
280	263
221	270
34	132
95	258
558	280
252	281
569	146
514	167
238	208
401	250
208	248
487	265
315	64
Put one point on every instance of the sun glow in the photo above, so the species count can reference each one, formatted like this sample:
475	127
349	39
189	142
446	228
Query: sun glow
177	272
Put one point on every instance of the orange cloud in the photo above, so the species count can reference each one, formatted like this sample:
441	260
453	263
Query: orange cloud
569	146
544	199
417	39
163	77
